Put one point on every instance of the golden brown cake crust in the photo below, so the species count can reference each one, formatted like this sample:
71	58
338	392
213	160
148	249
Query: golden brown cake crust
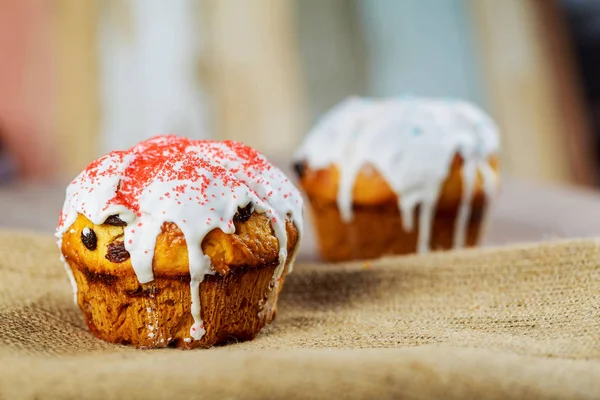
236	302
376	228
157	314
371	188
253	244
378	231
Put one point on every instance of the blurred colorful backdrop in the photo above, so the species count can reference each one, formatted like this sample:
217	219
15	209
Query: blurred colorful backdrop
81	77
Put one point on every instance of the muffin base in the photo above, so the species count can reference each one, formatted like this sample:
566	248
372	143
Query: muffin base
377	230
119	309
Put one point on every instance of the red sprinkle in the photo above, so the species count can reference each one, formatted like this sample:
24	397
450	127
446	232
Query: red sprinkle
185	162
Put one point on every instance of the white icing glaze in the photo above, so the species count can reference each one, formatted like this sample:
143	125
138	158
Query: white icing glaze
411	142
198	185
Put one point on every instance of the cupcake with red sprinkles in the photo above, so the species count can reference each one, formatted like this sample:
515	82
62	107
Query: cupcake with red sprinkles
179	242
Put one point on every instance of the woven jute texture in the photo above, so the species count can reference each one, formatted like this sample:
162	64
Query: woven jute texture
521	322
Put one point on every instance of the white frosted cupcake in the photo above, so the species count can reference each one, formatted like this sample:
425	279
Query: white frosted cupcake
397	176
179	242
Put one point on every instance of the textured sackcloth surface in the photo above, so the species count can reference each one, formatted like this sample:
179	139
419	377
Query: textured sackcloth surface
519	322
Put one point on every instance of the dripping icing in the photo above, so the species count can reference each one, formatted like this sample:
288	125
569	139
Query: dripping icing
411	142
198	185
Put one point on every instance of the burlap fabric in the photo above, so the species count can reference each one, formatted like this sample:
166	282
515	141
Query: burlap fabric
519	322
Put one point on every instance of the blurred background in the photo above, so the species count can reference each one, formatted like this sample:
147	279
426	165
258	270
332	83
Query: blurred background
79	78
